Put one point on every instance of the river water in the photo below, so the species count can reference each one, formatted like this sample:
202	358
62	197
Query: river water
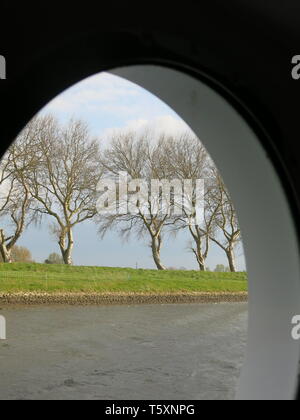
184	351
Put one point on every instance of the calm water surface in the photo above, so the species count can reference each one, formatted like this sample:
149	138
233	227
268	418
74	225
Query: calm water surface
185	351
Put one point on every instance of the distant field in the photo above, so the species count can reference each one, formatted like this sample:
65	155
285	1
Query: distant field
60	278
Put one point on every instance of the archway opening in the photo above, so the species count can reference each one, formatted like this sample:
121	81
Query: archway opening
236	150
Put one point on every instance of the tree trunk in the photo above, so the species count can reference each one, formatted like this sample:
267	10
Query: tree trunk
5	254
4	250
201	266
66	248
155	246
197	251
231	260
67	256
199	256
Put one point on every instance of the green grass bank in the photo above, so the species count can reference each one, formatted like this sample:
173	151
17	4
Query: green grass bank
43	278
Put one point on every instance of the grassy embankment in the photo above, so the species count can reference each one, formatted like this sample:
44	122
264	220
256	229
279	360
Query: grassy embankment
60	279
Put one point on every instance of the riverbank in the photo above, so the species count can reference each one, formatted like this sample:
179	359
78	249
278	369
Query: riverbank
37	298
47	279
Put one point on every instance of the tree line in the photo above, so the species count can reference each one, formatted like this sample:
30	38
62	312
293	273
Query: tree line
53	171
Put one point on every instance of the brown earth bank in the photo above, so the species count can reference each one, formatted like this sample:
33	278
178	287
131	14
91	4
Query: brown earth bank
36	298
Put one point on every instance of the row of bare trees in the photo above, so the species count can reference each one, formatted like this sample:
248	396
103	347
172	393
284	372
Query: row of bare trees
55	170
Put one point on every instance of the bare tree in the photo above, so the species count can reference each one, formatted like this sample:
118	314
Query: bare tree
64	176
54	258
142	161
220	268
15	199
16	205
21	254
226	232
187	159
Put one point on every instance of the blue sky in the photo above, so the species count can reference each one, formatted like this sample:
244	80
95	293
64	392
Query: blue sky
108	104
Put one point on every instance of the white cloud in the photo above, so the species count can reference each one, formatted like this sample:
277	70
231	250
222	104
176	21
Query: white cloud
100	89
111	104
103	98
167	124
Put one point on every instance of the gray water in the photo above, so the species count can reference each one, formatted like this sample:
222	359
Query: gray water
185	351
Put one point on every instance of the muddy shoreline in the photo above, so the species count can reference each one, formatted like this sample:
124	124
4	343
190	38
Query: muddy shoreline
35	298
